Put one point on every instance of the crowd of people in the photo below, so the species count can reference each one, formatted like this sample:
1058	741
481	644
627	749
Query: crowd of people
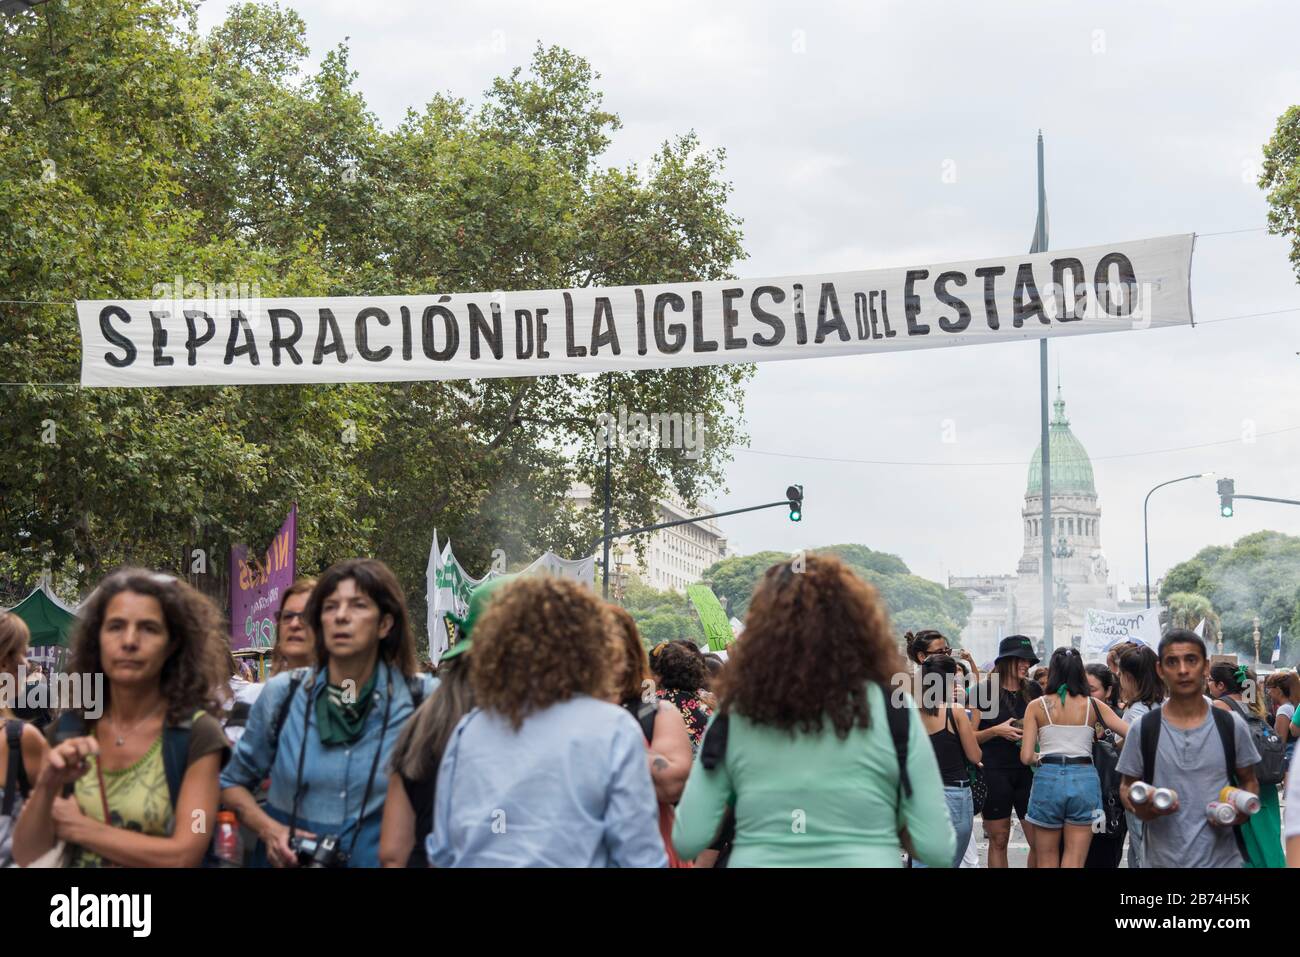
551	736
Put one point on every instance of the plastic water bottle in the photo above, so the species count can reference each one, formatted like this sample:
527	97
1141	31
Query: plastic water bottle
229	848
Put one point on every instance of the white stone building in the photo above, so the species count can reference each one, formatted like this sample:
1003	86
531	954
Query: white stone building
674	557
1013	604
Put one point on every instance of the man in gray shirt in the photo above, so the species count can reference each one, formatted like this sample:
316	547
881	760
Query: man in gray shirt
1189	759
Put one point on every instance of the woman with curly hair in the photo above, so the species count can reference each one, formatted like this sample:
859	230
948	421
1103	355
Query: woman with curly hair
668	745
151	760
680	673
809	764
545	771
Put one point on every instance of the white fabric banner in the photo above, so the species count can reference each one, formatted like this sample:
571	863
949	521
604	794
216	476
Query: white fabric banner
580	570
448	587
1103	629
237	338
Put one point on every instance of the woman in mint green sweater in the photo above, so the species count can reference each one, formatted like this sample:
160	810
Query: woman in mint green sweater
810	770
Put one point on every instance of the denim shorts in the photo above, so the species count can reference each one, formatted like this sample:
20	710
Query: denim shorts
1064	794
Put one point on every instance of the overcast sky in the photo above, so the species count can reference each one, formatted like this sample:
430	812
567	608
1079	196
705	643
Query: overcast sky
840	121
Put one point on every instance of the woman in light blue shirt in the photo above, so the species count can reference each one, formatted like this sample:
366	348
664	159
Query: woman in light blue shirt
544	772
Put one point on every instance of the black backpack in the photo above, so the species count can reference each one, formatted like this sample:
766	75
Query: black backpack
16	782
1271	769
1150	732
645	713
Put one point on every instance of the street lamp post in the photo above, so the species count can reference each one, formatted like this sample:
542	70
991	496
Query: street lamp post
1257	643
1146	542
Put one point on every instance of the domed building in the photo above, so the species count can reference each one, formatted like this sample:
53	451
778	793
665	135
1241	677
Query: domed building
1013	604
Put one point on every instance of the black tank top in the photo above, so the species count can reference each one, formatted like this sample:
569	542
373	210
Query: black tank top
948	751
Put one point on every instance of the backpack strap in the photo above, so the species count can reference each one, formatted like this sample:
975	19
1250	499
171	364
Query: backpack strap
899	727
238	717
176	753
1228	735
16	781
1237	707
415	685
1150	732
646	715
298	675
713	749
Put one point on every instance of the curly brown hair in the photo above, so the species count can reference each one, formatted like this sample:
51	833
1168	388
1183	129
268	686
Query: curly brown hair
1283	680
541	641
636	665
197	668
679	666
813	641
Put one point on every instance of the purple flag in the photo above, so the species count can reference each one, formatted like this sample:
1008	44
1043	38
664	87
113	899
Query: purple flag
257	586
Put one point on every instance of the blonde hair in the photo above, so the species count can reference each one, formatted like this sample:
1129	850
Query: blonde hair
303	586
15	636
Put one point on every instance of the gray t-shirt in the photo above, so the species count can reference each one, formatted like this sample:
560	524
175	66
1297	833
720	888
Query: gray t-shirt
1135	711
1193	764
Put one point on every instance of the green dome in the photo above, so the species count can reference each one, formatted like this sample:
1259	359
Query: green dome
1071	469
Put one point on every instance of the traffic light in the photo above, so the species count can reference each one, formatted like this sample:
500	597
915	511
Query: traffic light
1226	489
794	496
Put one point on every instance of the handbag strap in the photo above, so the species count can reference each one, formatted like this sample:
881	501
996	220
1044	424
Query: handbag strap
103	791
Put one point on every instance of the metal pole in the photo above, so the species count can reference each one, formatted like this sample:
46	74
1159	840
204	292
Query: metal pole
1146	546
609	409
686	521
1265	498
1040	245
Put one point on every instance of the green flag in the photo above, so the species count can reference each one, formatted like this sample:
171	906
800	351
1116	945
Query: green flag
717	627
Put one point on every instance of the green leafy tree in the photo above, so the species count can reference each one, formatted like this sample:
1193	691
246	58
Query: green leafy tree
662	615
1257	576
1188	576
225	158
1188	610
1281	178
914	602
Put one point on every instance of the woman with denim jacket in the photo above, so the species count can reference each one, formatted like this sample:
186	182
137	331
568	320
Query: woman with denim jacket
325	735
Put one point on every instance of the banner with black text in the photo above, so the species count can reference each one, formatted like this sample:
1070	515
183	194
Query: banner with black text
248	341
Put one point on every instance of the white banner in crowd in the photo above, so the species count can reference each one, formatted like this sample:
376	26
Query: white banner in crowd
247	341
448	586
1104	629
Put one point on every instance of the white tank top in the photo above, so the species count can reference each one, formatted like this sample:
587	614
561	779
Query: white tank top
1067	740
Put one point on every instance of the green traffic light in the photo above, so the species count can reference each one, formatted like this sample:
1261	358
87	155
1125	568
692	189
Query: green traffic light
796	515
1225	511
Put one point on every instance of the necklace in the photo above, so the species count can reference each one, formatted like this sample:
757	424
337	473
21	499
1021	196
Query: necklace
121	736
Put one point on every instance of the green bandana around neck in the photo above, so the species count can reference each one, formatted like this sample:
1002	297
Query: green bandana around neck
341	719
